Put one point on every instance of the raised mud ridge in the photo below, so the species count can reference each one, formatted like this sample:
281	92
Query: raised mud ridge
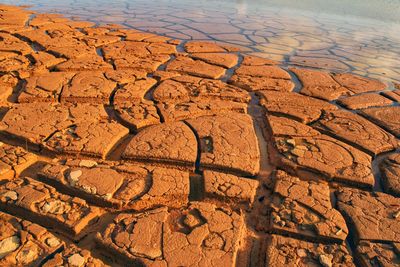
124	148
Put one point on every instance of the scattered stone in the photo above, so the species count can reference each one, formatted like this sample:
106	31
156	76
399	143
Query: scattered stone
168	237
281	251
87	163
381	254
9	245
23	243
74	257
303	209
43	203
76	260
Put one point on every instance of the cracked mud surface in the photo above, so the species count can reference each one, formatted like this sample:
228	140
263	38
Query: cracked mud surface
124	148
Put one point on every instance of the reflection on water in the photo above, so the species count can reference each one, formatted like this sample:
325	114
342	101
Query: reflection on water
359	36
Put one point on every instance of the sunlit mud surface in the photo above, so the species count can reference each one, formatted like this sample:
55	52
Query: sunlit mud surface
360	37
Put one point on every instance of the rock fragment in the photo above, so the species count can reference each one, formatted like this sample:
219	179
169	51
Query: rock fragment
74	257
23	243
303	209
43	204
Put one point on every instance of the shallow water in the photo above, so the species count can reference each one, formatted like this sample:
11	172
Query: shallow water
358	36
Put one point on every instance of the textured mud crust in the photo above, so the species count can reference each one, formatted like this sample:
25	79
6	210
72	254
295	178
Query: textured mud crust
124	148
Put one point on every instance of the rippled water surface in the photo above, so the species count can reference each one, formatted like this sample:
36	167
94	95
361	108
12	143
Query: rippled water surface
358	36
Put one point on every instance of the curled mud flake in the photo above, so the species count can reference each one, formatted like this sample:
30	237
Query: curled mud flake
386	117
357	130
165	144
194	109
122	187
365	101
320	84
133	92
137	114
358	84
90	87
229	188
394	95
84	63
262	77
14	159
371	215
184	88
302	108
44	87
92	138
234	143
198	68
220	59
